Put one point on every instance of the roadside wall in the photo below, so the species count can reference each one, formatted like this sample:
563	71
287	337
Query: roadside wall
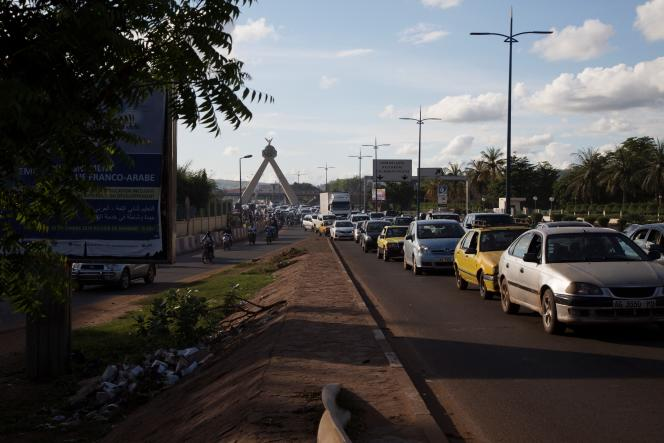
191	243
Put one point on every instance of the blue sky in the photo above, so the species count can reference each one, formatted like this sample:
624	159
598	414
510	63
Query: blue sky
343	71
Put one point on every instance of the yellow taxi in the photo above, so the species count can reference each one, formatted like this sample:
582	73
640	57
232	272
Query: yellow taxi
477	255
390	242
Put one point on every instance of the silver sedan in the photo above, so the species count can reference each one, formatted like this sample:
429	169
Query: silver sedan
581	275
120	275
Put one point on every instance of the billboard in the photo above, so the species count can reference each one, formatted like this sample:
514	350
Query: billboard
379	194
134	206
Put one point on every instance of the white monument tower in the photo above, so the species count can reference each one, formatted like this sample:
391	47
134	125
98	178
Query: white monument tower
269	154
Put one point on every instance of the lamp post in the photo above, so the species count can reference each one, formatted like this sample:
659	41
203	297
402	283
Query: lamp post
326	167
551	199
659	204
363	183
508	167
420	121
483	205
240	162
535	201
375	147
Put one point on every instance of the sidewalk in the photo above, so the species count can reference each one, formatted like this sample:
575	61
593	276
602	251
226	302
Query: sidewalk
268	387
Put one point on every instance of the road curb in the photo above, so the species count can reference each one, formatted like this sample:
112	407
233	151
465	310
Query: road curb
423	417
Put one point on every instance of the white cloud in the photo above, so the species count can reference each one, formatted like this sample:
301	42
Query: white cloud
231	150
559	155
442	4
466	108
527	144
576	43
353	52
388	112
458	147
611	124
422	33
253	31
327	82
649	19
520	91
604	89
407	149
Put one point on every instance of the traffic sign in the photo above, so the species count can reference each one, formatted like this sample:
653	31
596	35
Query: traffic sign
442	195
393	170
432	172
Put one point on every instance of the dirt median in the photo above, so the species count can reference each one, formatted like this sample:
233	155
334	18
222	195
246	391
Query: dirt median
267	386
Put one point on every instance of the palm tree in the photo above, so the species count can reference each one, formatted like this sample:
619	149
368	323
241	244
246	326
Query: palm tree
653	173
454	169
619	171
585	175
494	161
478	174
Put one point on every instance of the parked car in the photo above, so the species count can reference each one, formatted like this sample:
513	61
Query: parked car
477	255
563	224
403	220
429	244
370	232
581	276
492	218
341	229
307	223
650	237
390	242
120	275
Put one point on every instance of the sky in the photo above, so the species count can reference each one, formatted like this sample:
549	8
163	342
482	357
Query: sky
342	72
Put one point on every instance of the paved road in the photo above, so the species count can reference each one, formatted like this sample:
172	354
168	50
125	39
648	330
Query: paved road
502	378
187	266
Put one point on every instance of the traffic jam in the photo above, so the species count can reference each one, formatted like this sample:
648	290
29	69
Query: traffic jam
571	273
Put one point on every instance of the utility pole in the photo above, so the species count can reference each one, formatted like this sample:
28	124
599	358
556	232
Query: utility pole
298	174
326	167
508	167
362	184
375	147
420	121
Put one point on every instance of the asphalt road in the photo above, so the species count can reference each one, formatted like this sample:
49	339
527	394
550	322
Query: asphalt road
502	378
187	265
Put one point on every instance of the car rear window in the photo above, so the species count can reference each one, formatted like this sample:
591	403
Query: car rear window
498	240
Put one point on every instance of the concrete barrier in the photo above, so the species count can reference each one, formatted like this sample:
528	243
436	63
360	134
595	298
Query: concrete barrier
331	428
193	242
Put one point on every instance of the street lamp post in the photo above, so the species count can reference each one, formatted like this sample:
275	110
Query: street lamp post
551	199
508	167
240	162
375	147
483	205
659	204
326	167
535	200
363	183
420	121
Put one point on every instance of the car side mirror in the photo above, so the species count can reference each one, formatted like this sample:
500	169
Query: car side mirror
654	254
531	257
471	251
409	237
381	236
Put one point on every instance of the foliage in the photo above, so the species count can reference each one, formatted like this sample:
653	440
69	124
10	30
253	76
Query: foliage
68	71
194	184
181	315
556	216
603	221
537	217
591	219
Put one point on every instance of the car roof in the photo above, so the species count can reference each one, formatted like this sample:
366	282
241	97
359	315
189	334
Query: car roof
651	226
436	222
563	224
488	213
523	228
577	230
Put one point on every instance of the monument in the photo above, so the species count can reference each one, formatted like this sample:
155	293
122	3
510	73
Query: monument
269	155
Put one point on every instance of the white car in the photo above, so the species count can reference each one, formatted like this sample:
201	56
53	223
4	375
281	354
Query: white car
307	223
341	229
581	275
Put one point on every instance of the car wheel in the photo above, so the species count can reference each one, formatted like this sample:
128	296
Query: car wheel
484	292
149	277
125	279
405	263
460	282
505	301
416	270
549	314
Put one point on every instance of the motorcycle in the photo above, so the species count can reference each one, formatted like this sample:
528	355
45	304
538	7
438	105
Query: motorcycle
226	241
208	252
252	237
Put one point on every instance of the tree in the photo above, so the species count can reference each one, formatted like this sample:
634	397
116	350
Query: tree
584	180
68	70
619	172
493	161
653	178
479	175
194	184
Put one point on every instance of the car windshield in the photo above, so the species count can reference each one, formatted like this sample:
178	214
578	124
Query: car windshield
337	206
396	232
439	230
591	247
343	224
498	240
375	228
402	220
495	219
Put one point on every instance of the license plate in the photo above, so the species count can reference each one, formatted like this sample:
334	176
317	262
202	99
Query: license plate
634	304
446	259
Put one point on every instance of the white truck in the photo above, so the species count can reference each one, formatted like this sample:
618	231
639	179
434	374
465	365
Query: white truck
337	203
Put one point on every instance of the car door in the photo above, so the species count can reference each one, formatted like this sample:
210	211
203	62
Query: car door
530	274
408	243
640	237
464	259
653	239
514	266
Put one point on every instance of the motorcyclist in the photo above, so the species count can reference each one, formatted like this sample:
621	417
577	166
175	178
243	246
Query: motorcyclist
207	242
228	231
251	234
